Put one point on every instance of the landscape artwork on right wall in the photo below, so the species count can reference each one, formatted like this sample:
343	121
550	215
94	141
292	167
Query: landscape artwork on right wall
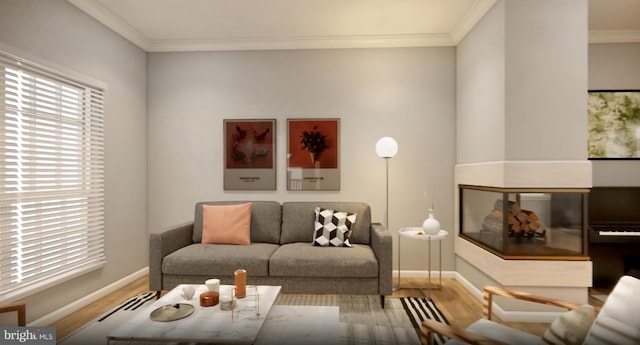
614	124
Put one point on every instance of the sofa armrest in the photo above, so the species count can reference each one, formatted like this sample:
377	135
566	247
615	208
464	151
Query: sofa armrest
429	327
382	245
489	291
162	244
19	308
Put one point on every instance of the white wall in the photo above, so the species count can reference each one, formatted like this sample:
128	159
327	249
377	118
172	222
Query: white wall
56	31
521	76
546	75
480	86
615	67
408	94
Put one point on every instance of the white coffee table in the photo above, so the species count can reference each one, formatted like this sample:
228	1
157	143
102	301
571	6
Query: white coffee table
301	324
206	324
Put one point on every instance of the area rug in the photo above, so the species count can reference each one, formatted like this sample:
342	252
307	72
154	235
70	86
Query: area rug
95	332
420	309
362	319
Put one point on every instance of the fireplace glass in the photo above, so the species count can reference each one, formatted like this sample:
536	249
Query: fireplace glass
525	223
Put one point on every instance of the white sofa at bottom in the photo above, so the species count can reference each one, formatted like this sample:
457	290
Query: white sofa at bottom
617	322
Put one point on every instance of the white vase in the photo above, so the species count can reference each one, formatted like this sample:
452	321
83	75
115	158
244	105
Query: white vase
431	226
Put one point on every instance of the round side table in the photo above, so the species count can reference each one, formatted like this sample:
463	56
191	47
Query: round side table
416	233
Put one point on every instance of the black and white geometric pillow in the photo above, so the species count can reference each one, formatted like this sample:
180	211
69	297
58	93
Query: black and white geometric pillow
332	228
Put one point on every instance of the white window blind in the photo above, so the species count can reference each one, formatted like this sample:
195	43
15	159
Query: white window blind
51	177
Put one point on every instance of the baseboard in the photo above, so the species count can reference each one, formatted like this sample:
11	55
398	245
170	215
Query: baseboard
88	299
508	316
435	275
470	287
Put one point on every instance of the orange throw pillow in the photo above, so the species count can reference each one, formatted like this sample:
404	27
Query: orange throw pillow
226	224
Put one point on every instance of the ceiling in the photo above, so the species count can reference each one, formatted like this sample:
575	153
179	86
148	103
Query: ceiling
205	25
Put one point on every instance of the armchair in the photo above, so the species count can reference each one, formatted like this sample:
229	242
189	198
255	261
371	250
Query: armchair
617	321
17	307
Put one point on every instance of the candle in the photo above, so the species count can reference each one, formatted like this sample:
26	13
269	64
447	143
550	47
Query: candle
240	282
209	298
213	284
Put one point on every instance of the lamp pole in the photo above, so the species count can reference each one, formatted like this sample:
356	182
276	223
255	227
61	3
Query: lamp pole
387	148
397	285
386	216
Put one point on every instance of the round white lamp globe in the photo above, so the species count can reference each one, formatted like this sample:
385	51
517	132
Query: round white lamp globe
386	147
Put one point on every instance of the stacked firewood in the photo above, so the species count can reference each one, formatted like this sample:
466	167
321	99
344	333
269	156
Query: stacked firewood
521	223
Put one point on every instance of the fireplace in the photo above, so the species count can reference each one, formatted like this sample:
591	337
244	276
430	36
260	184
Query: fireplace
525	223
546	253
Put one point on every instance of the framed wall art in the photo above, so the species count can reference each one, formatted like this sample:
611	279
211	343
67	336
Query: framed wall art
614	124
313	154
249	154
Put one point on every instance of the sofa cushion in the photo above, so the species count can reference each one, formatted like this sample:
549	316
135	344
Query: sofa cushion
618	321
298	220
217	260
304	260
332	228
266	218
570	328
226	224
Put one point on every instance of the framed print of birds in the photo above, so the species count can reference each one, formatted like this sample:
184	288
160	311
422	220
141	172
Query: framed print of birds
249	154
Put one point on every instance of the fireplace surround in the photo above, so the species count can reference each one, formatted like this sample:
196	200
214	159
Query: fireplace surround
525	223
562	275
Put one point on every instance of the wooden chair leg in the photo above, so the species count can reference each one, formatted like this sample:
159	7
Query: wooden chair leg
426	337
20	309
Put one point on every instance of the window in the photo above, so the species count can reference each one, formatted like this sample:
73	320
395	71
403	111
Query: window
51	177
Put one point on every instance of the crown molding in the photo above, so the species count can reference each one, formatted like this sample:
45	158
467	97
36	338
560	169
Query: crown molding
614	36
470	18
113	22
315	42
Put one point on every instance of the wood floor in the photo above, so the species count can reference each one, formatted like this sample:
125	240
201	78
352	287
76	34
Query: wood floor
75	321
456	303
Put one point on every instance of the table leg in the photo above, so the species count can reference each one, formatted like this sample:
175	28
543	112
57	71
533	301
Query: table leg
399	266
429	286
440	264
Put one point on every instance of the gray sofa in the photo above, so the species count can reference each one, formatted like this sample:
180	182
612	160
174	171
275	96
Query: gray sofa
280	253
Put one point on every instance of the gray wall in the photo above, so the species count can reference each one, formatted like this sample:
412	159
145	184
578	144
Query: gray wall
615	67
546	75
59	33
480	85
408	94
521	76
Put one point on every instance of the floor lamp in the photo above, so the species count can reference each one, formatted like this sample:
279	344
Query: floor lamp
387	148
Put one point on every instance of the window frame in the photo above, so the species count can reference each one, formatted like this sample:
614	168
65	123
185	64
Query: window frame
52	189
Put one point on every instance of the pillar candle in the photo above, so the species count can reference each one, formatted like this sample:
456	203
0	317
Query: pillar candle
213	284
240	282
